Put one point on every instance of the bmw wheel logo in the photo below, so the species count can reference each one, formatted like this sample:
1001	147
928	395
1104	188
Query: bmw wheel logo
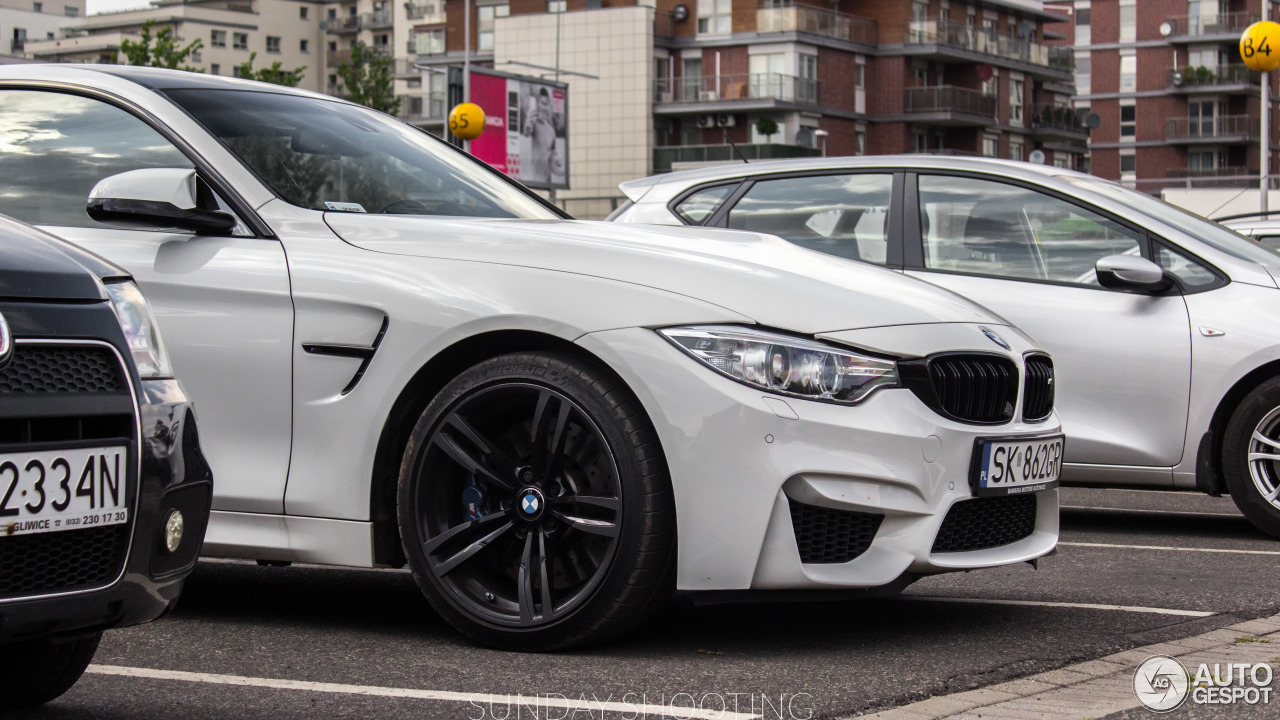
530	503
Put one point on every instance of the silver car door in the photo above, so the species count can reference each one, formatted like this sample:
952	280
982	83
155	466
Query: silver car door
222	303
1122	360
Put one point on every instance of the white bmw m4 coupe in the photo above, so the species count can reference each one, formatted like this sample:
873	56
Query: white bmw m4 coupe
401	356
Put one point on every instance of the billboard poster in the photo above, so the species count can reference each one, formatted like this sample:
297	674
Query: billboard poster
526	127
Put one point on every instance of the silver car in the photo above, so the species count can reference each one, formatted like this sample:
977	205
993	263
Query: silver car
1164	327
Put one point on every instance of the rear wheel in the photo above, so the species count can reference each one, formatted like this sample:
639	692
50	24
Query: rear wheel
535	506
1251	456
33	672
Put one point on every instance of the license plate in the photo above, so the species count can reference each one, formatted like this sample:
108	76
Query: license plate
1010	467
54	490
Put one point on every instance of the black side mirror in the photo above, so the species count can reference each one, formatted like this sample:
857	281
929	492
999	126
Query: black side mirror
157	198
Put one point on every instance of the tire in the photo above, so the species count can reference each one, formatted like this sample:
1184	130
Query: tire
535	481
33	672
1254	429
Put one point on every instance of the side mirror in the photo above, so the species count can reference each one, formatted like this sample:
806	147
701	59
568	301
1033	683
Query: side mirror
1130	272
158	198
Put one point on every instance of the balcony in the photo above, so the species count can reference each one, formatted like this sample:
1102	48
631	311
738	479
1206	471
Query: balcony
426	14
950	105
334	58
961	37
343	26
766	89
1058	122
1199	28
1224	78
424	44
420	108
377	20
665	157
815	21
1222	177
1221	129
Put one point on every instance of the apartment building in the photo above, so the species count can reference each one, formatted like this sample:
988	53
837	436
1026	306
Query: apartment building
842	77
289	31
1174	104
24	21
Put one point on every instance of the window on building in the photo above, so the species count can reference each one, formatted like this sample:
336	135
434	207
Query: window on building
1016	149
488	16
304	46
215	69
333	14
860	76
1128	164
991	86
766	75
1084	67
1083	30
1016	101
71	11
302	12
1128	20
1128	121
430	42
37	7
556	6
273	44
860	142
1061	160
715	17
218	38
807	82
990	146
1128	71
1202	161
240	41
919	143
1201	117
382	41
691	78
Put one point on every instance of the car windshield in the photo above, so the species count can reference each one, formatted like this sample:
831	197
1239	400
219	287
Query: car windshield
1210	233
328	155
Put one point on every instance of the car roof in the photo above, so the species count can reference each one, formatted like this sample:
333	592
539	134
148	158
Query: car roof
151	78
664	187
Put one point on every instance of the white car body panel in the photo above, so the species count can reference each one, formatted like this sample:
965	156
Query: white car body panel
734	452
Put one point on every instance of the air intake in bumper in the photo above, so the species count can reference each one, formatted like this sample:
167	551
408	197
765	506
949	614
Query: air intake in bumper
827	535
984	523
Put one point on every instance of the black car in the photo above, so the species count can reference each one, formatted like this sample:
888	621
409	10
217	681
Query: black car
104	493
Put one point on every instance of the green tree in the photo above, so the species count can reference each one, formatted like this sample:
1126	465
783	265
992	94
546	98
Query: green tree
368	78
766	127
165	52
275	74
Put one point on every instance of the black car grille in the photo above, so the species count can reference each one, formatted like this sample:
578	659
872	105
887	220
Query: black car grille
984	523
826	535
54	369
61	561
1037	396
65	395
977	388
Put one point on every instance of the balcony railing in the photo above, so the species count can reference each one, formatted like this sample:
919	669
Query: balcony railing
1056	117
418	108
1198	77
344	25
985	42
1212	128
1232	24
947	98
377	20
1222	177
753	86
665	157
334	58
427	13
424	46
789	17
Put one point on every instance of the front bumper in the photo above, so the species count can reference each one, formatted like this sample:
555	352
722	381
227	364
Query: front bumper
174	475
740	458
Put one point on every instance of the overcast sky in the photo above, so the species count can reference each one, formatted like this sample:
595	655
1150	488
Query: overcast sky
97	6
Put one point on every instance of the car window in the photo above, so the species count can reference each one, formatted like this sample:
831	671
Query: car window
842	215
991	228
701	204
55	147
329	155
1271	242
1192	274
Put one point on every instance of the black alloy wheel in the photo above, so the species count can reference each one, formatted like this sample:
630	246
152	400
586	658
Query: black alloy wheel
529	494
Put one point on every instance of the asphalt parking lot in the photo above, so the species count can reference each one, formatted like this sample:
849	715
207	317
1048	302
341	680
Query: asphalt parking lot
1133	569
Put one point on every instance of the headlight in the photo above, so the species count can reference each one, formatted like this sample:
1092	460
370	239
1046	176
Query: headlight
140	330
785	365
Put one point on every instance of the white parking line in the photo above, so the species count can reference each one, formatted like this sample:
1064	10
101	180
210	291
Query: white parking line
1170	548
1236	516
543	701
1082	606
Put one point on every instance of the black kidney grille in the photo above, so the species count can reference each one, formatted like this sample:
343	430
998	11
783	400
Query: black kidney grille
975	388
51	369
984	523
61	561
826	535
1037	397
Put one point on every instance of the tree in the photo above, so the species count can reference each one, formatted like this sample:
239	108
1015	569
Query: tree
368	78
165	53
766	127
275	74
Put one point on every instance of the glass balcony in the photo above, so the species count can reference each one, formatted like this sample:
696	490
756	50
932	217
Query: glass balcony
741	87
1200	78
426	13
1222	128
962	37
1192	27
789	17
948	98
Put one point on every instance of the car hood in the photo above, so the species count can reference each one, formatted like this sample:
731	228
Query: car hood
763	277
35	265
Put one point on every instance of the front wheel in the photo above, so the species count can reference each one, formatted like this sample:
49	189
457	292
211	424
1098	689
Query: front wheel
534	504
33	672
1251	456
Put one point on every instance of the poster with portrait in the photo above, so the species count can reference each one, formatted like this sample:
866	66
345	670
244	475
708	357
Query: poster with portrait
526	131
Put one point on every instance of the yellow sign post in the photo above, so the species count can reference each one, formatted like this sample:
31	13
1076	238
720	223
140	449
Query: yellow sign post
1260	46
466	121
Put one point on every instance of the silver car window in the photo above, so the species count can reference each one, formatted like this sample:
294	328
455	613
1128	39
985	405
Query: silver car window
55	147
990	228
842	215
